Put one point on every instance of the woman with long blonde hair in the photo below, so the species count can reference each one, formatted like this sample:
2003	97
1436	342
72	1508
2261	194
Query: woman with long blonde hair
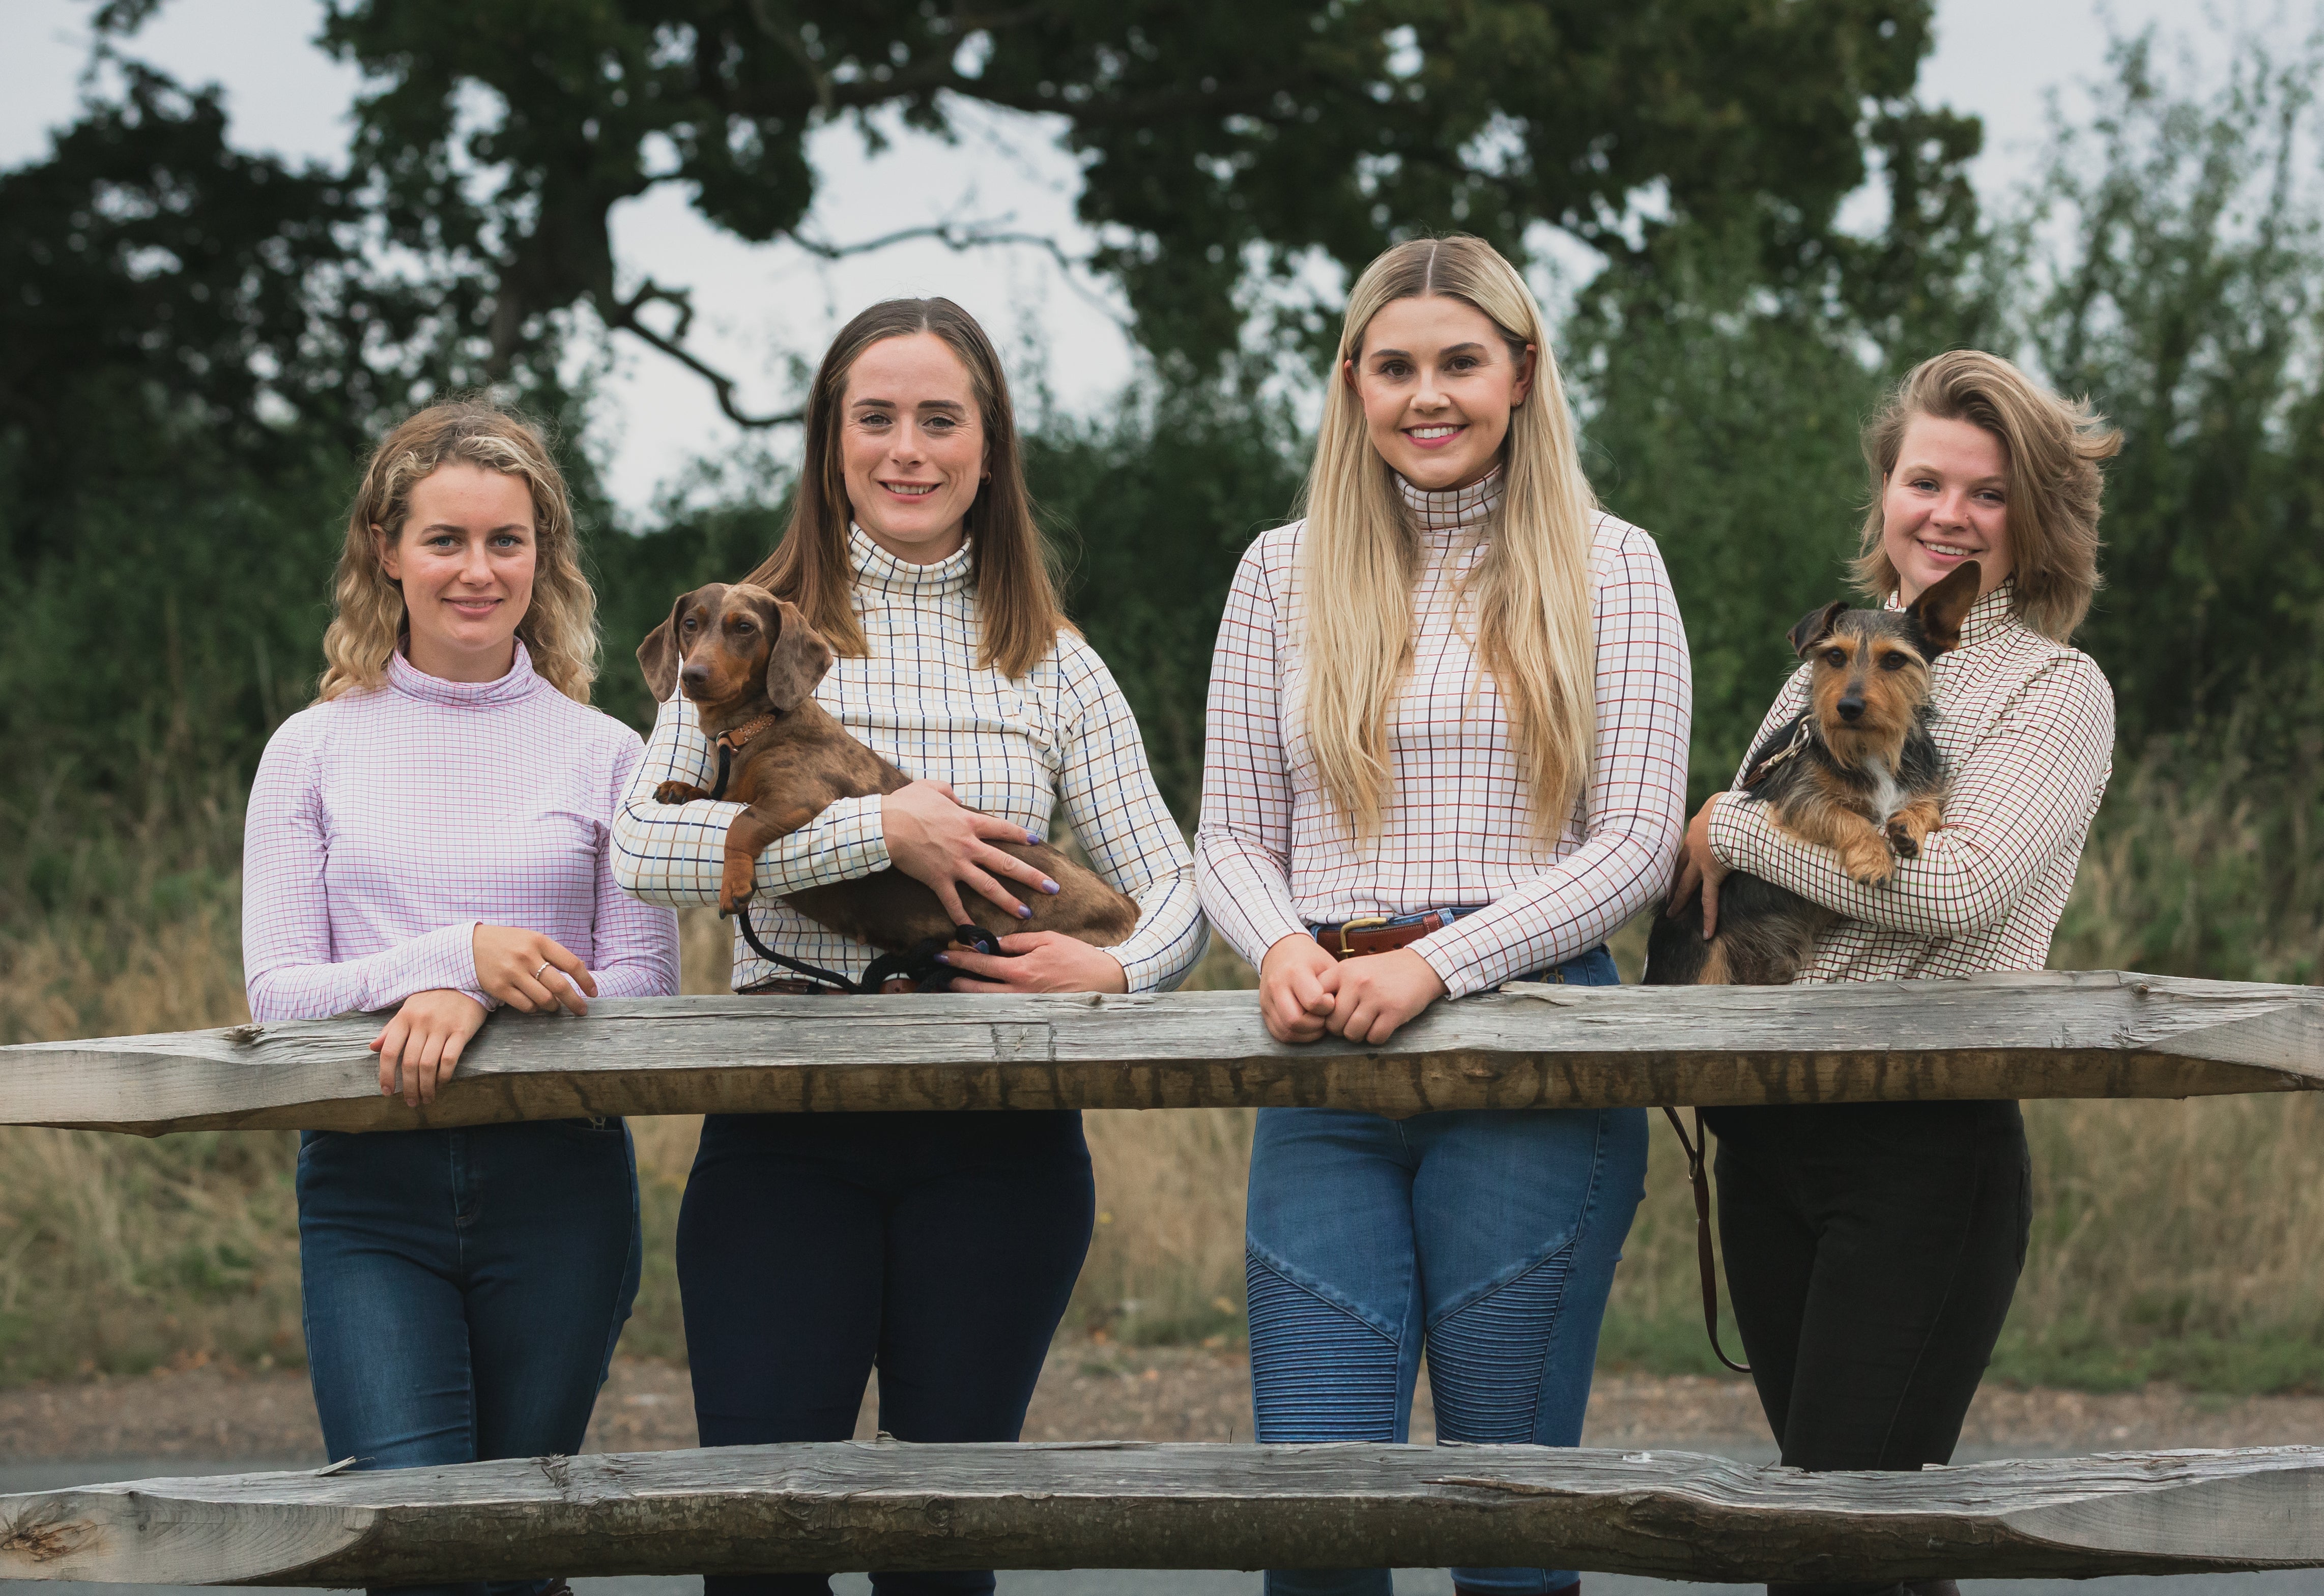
1447	749
429	840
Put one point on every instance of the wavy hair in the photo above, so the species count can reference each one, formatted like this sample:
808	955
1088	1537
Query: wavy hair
1529	595
1017	612
560	627
2053	446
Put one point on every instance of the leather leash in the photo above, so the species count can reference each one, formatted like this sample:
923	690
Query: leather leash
1709	1266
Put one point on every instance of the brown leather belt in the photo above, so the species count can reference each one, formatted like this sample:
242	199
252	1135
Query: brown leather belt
1380	933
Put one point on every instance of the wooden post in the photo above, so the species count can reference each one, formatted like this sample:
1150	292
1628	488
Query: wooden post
1130	1505
2048	1034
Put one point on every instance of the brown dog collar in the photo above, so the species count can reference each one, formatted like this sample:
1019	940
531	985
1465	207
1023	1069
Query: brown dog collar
732	743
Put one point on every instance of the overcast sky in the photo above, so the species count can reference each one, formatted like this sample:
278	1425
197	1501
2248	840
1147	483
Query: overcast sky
1998	59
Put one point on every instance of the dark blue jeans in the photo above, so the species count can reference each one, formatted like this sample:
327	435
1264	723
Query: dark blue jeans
464	1290
940	1247
1488	1237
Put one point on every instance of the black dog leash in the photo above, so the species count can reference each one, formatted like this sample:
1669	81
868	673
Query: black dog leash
918	964
1695	1150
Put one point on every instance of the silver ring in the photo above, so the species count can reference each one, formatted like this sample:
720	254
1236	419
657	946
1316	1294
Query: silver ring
544	964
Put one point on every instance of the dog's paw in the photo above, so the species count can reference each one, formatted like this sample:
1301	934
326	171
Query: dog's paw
1868	864
677	792
1902	842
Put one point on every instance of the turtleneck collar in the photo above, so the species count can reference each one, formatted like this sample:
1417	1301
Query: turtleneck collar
1452	511
877	568
1986	617
521	682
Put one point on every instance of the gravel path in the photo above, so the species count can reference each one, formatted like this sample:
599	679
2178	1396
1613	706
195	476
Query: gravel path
1095	1391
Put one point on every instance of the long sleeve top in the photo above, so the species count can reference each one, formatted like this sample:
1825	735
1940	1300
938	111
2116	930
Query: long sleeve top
2027	728
1273	855
1058	740
384	826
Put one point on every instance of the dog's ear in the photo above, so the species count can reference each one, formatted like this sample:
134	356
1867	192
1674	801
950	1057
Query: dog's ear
797	660
1815	626
1941	609
660	655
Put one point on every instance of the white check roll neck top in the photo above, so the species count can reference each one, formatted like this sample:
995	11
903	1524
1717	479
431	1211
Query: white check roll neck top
1272	855
1057	742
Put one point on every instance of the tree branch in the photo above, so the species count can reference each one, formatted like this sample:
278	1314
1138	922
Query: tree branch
622	314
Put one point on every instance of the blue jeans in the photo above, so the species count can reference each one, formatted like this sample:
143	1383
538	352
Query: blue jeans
1487	1236
464	1290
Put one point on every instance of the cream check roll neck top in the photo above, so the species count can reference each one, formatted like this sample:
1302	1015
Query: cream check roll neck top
1271	854
384	826
2026	727
1058	740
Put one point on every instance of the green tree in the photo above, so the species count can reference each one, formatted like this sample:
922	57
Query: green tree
1220	142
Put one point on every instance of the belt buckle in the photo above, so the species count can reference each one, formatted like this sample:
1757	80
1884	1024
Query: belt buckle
1371	922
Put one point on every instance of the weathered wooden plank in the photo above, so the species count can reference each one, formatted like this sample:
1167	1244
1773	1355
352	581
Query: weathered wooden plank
1135	1505
2055	1034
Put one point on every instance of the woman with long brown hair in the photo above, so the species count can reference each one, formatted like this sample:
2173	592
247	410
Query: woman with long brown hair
1447	749
940	1247
431	839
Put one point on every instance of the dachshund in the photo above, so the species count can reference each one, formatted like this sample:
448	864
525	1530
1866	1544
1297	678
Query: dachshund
1856	771
750	661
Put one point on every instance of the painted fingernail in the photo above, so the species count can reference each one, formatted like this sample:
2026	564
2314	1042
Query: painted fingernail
1033	837
1023	913
1047	885
944	958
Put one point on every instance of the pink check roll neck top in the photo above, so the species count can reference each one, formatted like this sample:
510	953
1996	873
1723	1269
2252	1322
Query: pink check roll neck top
385	826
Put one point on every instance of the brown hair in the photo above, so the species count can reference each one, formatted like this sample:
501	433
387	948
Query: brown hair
2053	446
560	627
1018	612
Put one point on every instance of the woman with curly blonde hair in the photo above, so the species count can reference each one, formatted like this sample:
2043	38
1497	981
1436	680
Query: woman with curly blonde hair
427	840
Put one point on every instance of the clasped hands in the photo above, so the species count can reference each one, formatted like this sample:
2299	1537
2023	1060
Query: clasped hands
1303	992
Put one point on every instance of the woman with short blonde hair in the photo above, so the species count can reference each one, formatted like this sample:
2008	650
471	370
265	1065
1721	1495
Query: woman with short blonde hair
1446	749
428	841
1872	1248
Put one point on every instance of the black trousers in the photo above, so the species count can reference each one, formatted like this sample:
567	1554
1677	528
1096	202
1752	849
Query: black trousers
1872	1249
940	1247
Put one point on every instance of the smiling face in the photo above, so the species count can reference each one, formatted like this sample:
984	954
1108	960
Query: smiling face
465	557
911	446
1437	382
1946	504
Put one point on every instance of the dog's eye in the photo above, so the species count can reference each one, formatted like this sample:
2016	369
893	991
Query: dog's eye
1895	661
743	628
1835	657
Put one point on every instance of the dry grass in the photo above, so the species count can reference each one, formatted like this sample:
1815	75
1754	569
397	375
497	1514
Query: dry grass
2176	1239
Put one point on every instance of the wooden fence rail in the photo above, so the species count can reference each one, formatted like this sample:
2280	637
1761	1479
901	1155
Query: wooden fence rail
2051	1034
1133	1505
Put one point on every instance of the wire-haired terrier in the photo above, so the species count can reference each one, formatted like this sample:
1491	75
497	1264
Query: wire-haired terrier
1856	771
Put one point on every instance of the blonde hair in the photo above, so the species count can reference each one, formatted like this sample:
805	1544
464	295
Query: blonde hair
560	627
1530	593
2053	446
1018	612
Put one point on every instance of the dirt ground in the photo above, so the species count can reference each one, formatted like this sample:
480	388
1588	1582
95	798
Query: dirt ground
1093	1390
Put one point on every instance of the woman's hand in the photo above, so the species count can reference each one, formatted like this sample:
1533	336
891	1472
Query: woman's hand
1297	984
1037	960
529	972
1379	992
1699	870
938	843
422	1042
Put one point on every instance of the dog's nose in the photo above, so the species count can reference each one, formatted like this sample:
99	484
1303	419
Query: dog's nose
1852	709
694	675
